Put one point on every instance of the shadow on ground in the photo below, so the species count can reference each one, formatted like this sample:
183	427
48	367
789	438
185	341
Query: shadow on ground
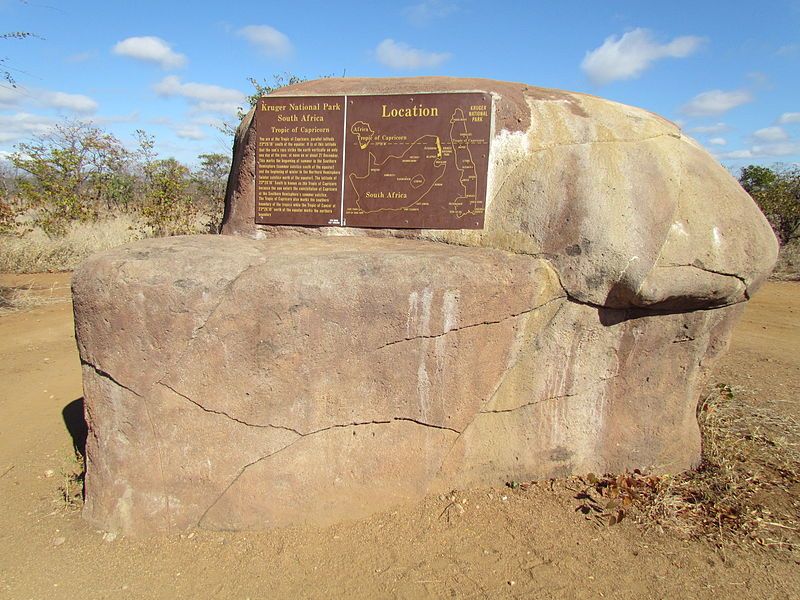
76	424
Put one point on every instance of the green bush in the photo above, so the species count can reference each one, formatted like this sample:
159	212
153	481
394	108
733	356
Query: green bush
79	173
776	190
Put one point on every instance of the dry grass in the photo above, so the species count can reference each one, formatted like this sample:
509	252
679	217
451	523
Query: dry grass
34	252
20	298
745	492
748	487
71	490
788	267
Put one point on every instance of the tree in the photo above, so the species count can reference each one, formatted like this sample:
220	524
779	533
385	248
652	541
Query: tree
776	190
210	179
259	89
7	213
168	208
73	172
211	175
265	88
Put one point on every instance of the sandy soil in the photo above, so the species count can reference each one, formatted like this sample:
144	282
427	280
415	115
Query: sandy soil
499	543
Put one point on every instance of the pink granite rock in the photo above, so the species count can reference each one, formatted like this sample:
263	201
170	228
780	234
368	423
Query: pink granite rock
281	375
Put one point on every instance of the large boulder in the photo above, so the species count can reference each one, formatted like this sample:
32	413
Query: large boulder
232	383
628	209
279	375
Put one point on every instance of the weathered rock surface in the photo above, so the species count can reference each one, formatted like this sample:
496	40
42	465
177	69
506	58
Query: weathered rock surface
628	209
315	374
233	384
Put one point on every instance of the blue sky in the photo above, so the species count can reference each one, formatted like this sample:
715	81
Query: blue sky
728	72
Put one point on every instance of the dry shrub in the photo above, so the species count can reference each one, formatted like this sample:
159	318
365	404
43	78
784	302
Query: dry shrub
746	490
788	267
35	252
6	298
19	298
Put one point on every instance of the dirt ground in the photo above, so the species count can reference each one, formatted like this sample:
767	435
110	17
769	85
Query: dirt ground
485	543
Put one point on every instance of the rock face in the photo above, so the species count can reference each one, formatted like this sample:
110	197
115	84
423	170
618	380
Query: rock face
630	211
283	374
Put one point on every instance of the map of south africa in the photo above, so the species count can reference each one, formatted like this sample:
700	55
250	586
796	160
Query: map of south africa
407	176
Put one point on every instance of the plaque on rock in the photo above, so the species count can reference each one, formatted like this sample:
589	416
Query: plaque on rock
299	160
398	161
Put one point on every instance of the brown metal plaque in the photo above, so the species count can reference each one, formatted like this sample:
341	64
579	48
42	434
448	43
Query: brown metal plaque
299	144
417	160
405	161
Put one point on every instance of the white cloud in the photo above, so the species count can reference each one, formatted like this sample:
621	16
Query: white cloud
9	96
759	80
788	50
172	85
771	134
629	56
736	154
718	141
131	117
204	96
715	102
400	56
150	49
190	132
789	117
72	102
784	148
79	57
16	127
770	150
272	42
427	11
711	129
208	121
76	103
227	108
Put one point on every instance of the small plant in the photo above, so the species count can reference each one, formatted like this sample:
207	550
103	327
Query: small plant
71	488
6	216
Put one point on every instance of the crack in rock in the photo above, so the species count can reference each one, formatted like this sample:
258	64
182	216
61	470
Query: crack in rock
304	435
223	296
723	273
224	414
307	433
470	326
107	375
238	476
496	390
707	270
527	404
676	136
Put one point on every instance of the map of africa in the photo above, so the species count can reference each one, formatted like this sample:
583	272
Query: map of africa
399	181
